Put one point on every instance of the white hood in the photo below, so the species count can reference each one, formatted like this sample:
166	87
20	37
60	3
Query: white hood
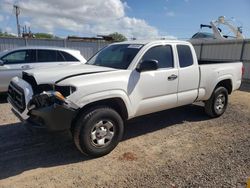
54	74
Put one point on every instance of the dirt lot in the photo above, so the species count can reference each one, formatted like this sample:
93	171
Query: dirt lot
176	148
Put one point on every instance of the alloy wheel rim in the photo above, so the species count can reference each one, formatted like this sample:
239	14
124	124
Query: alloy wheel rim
220	103
102	133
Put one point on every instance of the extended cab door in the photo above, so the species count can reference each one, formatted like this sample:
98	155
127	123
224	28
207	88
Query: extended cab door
156	90
188	75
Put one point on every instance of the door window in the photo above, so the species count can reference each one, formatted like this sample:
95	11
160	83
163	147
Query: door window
67	57
46	56
59	56
185	55
21	56
163	54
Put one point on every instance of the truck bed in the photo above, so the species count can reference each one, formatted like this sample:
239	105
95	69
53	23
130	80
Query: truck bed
212	72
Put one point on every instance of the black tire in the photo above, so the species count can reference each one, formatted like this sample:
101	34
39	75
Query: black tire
89	122
212	105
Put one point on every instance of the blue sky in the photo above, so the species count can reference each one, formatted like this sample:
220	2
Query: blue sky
133	18
182	18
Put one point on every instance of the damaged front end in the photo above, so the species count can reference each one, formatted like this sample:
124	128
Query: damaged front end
42	106
50	110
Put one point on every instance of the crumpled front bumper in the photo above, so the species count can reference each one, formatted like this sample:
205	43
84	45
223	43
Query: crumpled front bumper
53	117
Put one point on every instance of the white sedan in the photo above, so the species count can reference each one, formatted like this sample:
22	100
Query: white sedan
13	62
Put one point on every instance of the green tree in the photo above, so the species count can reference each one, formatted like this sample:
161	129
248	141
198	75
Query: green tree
44	36
5	34
117	37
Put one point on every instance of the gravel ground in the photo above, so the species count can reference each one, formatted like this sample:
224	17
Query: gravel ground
181	147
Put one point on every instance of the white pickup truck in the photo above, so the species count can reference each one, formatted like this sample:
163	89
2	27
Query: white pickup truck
122	81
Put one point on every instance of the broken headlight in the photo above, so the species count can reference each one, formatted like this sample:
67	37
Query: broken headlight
65	90
46	99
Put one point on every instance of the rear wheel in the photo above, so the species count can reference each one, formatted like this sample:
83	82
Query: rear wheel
98	131
217	103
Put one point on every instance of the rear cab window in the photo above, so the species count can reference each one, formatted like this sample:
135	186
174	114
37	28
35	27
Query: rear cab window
185	56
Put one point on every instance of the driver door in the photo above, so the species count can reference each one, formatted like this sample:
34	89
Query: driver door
156	90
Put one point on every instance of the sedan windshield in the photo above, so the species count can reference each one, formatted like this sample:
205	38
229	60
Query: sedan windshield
117	56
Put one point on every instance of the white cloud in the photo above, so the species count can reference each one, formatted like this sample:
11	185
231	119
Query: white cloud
170	13
84	17
126	6
27	23
170	37
8	29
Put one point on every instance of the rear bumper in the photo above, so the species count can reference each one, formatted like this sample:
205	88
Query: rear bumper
53	118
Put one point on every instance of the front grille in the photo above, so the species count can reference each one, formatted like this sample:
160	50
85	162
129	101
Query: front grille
16	96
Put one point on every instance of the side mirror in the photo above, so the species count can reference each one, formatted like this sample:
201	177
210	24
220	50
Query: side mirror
147	65
1	62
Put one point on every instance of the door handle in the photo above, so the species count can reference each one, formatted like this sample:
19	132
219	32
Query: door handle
172	77
26	67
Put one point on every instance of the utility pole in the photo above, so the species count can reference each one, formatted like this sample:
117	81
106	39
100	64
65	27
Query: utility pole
17	12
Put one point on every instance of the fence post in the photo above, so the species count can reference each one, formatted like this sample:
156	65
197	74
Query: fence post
25	42
65	43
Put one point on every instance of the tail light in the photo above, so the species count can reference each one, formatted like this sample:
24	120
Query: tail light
242	70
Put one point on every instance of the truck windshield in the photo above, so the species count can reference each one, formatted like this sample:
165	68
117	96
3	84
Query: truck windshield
117	56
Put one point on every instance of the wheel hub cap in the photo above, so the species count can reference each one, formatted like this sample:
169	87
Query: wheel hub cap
220	102
102	133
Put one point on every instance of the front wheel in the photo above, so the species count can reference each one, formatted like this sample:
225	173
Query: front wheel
98	131
216	105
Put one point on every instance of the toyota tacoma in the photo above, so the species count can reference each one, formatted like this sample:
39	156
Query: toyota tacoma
122	81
